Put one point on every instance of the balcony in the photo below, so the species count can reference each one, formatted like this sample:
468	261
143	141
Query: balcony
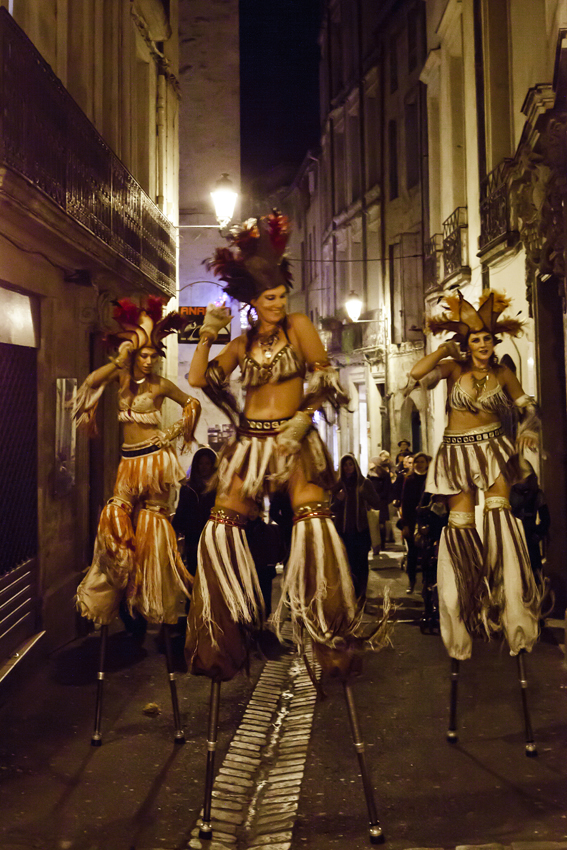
496	232
46	139
432	262
455	247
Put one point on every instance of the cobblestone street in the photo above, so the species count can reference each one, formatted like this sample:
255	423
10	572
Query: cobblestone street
287	774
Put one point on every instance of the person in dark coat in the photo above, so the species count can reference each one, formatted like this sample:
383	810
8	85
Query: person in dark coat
353	496
528	504
195	503
281	512
404	450
381	479
398	485
412	493
267	550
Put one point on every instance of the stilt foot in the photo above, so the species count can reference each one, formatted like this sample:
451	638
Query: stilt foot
96	741
375	834
206	831
452	737
531	751
179	738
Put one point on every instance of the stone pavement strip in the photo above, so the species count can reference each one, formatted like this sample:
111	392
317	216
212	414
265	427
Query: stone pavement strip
256	791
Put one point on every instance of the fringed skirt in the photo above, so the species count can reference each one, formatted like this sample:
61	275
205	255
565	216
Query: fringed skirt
472	459
147	469
252	456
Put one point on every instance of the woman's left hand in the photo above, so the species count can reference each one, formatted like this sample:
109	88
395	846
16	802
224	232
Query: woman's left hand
527	442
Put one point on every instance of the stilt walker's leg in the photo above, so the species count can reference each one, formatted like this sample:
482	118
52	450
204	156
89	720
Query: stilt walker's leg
206	829
531	749
452	735
375	830
96	739
179	736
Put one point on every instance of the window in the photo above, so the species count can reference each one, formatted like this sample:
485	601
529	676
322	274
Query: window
393	156
412	145
393	62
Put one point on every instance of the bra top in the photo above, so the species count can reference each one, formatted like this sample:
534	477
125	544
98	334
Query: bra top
285	365
140	410
491	401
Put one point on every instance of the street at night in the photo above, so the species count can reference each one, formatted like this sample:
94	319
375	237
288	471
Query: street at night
140	790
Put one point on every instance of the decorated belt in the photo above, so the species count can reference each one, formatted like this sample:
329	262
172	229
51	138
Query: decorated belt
261	426
139	450
478	435
226	516
312	510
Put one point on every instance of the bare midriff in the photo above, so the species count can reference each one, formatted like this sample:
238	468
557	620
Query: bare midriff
274	401
135	432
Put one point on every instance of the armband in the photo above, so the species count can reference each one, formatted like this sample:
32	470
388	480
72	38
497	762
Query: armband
185	426
531	419
428	382
292	432
85	405
324	385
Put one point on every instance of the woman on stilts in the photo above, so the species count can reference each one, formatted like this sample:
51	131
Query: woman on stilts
135	557
485	586
276	446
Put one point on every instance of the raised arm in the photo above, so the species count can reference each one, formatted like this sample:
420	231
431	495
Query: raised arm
90	391
436	360
215	319
186	425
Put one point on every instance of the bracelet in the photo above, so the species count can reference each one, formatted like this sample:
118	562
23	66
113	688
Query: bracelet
206	339
116	363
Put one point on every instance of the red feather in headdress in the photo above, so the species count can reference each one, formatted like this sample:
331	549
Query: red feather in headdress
154	308
279	229
126	312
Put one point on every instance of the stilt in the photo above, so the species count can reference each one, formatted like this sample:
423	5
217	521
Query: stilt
375	830
311	673
96	739
179	736
452	736
531	749
206	829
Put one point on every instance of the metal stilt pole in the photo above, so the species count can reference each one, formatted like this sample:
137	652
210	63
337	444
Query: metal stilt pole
179	736
206	828
375	830
452	736
311	673
96	739
531	749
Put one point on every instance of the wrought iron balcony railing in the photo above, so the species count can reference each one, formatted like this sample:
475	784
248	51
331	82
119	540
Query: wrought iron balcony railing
455	243
46	138
494	205
432	261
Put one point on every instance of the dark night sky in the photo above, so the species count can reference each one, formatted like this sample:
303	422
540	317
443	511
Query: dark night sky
279	59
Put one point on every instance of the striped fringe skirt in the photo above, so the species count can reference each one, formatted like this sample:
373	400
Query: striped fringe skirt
252	456
147	469
473	459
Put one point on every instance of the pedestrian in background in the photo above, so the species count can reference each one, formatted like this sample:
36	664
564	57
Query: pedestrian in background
266	548
354	495
404	450
412	494
381	479
196	499
527	501
398	485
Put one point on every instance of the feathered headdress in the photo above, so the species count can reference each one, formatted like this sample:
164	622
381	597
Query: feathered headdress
144	325
461	317
255	260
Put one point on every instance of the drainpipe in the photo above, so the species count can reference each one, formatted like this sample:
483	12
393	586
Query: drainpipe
161	140
361	139
479	86
383	252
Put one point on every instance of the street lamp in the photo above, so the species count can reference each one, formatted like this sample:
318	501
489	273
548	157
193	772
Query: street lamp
224	199
353	306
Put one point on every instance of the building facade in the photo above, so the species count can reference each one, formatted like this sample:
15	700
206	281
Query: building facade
209	146
495	77
89	203
360	209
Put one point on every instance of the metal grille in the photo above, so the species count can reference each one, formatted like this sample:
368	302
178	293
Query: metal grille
494	204
46	138
18	456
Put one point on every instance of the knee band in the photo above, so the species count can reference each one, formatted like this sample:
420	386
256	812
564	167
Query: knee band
496	503
461	519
